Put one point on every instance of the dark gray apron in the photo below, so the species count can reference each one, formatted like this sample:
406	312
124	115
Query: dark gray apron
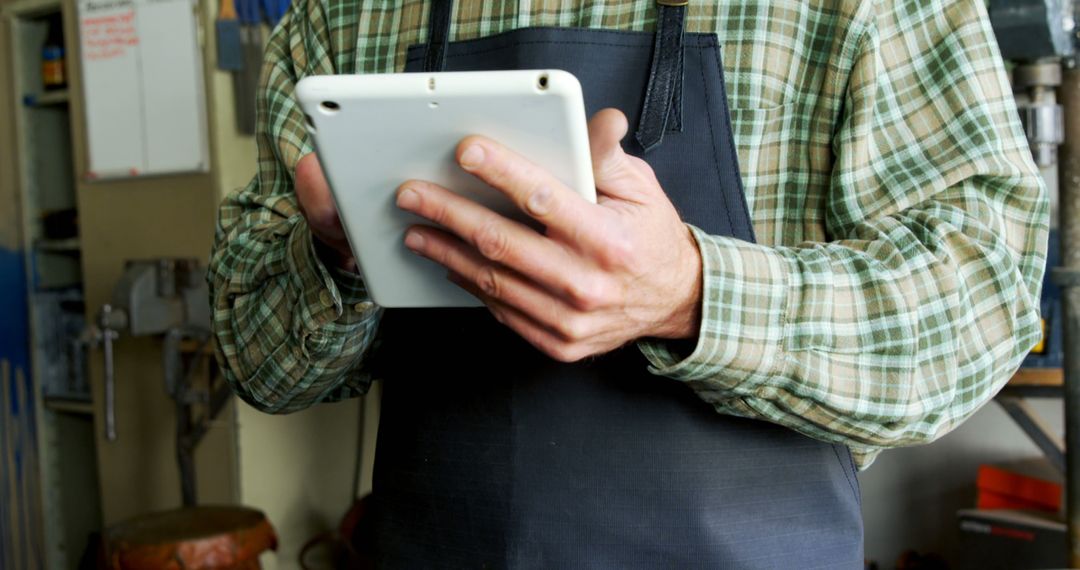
491	455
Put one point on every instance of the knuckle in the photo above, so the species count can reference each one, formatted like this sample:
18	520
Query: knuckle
539	201
502	170
618	252
436	212
489	282
437	251
491	242
582	299
566	353
559	352
589	294
573	328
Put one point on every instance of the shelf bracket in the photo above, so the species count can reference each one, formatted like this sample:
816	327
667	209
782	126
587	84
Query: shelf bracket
1052	445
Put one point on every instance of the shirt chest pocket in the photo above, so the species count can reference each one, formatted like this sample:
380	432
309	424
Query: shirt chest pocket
763	102
786	160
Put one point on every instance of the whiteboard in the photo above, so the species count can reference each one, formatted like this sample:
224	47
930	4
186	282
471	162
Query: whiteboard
143	94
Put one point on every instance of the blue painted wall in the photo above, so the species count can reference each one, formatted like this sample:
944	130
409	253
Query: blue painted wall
20	512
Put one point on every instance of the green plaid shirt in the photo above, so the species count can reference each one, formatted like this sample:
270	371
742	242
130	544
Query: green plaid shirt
902	226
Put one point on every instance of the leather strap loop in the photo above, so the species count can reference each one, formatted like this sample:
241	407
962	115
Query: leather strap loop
438	34
663	95
662	107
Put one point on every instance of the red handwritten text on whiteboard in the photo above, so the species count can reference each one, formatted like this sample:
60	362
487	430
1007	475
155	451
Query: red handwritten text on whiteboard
108	36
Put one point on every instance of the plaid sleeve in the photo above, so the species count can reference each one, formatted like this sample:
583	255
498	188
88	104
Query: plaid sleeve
926	300
290	332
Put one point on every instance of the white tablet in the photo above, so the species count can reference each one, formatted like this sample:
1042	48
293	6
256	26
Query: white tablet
374	132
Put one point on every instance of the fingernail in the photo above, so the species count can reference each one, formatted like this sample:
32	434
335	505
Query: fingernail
408	199
413	240
472	157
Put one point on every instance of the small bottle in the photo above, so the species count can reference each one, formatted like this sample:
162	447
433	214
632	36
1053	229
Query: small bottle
53	75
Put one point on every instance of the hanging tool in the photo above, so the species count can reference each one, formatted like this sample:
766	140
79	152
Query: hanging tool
230	54
248	80
151	298
166	298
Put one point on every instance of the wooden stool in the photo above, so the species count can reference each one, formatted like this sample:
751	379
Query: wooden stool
196	538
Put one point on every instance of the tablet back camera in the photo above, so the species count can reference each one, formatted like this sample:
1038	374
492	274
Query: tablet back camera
329	107
542	82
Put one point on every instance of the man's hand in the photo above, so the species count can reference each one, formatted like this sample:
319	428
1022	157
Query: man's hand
600	276
313	196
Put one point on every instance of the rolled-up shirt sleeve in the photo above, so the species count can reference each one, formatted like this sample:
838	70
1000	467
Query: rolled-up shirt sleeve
925	299
290	331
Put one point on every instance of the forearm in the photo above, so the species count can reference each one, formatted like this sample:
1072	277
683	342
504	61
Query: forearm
890	338
290	332
920	297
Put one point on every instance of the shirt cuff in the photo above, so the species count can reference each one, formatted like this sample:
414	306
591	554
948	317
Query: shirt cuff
326	294
291	150
745	290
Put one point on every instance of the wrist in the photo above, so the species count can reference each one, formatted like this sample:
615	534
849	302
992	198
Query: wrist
684	321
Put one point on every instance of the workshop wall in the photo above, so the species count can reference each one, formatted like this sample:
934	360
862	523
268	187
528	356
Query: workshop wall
911	495
142	218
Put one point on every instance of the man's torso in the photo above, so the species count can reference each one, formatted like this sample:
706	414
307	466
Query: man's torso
786	65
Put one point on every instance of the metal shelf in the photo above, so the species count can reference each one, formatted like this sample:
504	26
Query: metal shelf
69	406
1035	383
46	98
64	405
43	129
69	245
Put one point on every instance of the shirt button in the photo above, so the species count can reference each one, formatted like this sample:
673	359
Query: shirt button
324	298
363	307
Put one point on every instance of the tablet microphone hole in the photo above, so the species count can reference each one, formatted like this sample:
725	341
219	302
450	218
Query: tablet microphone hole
542	82
433	104
330	107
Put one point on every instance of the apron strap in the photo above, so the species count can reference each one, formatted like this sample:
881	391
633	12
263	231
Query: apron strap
663	95
438	35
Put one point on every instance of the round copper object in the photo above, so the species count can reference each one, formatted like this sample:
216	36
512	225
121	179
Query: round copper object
198	538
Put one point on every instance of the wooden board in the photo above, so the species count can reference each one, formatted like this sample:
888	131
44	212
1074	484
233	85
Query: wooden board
1037	377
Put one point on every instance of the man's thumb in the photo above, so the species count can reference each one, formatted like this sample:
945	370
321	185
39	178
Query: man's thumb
614	171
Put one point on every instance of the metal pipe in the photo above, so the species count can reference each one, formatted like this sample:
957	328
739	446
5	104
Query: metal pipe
108	335
1045	438
185	455
1069	229
110	387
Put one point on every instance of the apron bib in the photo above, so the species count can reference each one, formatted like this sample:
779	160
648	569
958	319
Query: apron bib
491	455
